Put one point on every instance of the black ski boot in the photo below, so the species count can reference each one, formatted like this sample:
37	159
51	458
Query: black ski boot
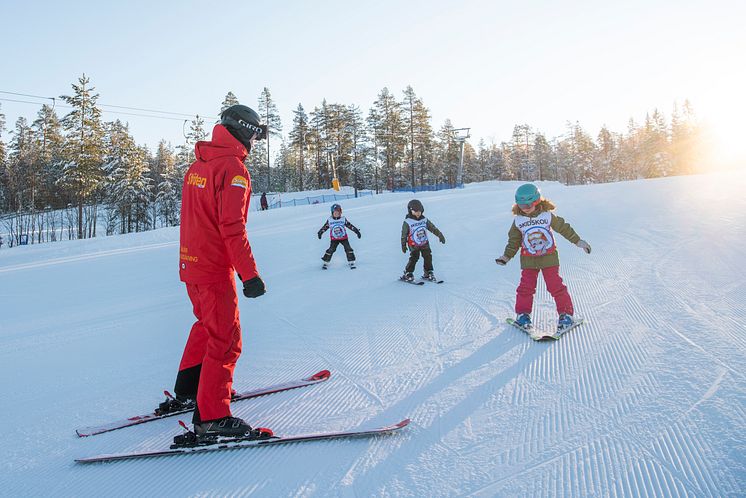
228	427
222	430
175	404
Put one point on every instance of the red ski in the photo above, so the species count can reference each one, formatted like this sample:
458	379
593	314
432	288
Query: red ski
236	444
141	419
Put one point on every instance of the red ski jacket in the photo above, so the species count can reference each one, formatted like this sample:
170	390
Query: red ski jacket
215	203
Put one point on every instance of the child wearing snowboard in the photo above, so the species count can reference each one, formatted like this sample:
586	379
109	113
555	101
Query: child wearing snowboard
337	226
532	232
414	235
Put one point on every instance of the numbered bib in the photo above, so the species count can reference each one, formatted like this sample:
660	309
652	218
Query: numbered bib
537	238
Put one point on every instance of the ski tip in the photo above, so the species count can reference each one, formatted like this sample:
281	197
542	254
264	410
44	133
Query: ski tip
400	425
322	375
81	434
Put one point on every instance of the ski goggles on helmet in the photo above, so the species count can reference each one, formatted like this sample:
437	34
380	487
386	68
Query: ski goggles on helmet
260	131
529	206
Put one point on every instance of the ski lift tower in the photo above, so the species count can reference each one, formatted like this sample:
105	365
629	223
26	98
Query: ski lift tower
460	135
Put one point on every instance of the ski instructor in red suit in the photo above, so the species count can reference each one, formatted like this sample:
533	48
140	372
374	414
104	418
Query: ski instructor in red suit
213	243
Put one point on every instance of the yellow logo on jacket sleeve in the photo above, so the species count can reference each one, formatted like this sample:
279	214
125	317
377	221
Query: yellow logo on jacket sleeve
240	181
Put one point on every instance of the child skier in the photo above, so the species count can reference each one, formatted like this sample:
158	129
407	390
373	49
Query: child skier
532	232
414	235
337	226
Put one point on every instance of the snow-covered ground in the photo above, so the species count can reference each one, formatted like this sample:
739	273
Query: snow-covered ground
646	399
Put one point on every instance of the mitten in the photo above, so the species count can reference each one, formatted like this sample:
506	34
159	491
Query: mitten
584	246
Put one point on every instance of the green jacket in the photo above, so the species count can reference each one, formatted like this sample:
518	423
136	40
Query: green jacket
405	231
558	225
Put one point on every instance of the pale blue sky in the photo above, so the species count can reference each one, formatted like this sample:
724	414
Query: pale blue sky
484	64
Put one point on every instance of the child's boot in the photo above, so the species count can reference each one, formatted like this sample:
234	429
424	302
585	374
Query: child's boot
565	321
523	320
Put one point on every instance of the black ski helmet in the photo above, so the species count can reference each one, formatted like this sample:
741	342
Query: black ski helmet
244	124
335	207
414	204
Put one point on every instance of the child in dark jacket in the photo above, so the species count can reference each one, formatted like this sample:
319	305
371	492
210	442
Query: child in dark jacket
414	235
337	226
532	233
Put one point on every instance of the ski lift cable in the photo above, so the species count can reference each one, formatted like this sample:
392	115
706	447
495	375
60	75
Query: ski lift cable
102	110
105	105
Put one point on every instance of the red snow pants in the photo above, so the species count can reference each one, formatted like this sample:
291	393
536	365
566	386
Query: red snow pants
215	343
524	295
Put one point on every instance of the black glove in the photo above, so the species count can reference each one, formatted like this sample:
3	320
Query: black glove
442	239
502	260
358	234
254	287
319	234
404	249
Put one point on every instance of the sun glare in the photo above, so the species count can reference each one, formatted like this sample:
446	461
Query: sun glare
724	143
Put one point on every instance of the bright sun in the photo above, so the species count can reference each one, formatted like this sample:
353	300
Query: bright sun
722	119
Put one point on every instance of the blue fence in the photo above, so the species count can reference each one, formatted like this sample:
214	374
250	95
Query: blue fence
430	188
318	199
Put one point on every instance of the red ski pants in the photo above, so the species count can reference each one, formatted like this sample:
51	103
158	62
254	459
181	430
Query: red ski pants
524	296
215	343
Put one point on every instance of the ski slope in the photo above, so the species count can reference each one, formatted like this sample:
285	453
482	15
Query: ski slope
648	398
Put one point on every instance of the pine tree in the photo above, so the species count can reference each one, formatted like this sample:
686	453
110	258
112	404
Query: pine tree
448	153
128	183
416	120
158	164
196	133
390	134
686	140
606	156
3	172
23	167
521	152
299	143
49	142
83	156
268	110
169	188
542	156
582	149
319	140
230	99
282	162
356	137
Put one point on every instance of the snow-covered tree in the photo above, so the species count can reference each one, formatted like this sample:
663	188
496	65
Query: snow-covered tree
196	133
169	189
229	100
129	185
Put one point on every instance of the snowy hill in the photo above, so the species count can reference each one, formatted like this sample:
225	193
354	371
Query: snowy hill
648	398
